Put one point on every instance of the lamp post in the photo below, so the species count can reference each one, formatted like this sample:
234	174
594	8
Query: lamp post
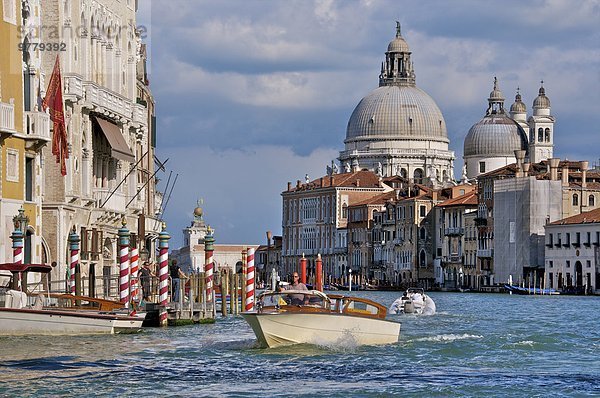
267	262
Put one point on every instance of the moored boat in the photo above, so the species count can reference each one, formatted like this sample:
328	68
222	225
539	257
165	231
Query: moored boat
18	317
293	317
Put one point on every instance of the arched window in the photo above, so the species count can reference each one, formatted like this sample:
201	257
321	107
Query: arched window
591	201
422	259
418	176
547	134
403	173
540	134
575	199
422	233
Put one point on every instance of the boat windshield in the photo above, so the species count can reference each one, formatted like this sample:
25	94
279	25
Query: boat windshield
294	298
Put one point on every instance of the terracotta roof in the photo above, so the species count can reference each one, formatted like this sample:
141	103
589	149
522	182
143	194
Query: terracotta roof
358	179
468	199
377	200
592	216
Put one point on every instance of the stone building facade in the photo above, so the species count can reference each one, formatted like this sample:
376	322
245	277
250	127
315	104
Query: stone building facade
110	128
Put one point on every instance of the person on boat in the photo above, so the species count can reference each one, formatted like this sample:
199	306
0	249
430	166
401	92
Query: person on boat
145	274
297	299
176	275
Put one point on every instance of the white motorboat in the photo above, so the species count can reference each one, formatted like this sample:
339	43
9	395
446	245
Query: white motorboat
17	317
414	301
299	316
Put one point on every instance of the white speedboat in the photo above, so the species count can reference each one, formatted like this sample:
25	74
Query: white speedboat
17	317
414	301
299	316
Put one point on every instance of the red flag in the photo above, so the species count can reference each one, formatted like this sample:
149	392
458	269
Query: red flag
54	101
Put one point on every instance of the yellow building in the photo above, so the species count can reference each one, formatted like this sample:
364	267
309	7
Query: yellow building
24	129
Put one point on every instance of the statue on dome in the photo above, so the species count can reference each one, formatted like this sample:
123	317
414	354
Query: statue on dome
347	168
379	169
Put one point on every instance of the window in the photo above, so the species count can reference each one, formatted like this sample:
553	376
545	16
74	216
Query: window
551	280
575	199
29	179
550	264
588	264
591	201
10	11
568	265
482	167
12	165
547	134
540	134
422	211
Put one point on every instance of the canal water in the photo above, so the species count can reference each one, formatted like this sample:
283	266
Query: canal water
476	345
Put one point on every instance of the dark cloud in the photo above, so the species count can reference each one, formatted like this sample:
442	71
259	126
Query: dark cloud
234	75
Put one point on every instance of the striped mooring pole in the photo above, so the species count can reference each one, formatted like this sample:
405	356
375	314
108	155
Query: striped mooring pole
74	247
17	245
209	241
134	263
124	263
163	273
250	280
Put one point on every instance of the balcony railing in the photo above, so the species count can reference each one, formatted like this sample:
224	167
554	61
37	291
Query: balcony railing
37	126
140	115
453	258
485	253
116	202
481	222
456	231
7	118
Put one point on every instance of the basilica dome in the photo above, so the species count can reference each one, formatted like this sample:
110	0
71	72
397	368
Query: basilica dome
496	134
391	112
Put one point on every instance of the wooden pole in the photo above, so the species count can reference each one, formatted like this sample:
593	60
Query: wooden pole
224	292
232	291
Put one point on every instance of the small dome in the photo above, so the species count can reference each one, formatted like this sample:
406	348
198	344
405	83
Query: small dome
198	212
541	101
496	94
398	45
518	106
495	135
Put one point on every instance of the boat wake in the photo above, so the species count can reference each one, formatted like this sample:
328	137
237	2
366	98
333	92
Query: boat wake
345	343
449	337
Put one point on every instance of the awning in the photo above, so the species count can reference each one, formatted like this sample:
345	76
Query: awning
112	132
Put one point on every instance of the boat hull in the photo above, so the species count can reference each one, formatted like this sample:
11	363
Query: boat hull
18	322
278	329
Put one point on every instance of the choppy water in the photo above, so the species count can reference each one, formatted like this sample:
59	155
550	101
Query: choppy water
476	345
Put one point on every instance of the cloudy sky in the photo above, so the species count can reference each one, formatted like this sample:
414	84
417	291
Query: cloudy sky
253	94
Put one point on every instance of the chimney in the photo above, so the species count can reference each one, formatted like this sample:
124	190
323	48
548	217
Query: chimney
297	183
331	180
565	175
358	182
526	167
520	157
321	181
434	195
584	167
553	163
289	186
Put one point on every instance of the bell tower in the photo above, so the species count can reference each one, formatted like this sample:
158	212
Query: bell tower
541	129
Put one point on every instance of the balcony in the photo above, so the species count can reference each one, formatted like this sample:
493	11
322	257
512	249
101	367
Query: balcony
455	231
452	259
140	116
37	133
7	119
116	203
73	89
485	253
101	97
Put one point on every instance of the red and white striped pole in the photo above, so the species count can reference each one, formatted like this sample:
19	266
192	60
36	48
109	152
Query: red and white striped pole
124	264
209	241
134	262
163	274
250	281
74	246
17	244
